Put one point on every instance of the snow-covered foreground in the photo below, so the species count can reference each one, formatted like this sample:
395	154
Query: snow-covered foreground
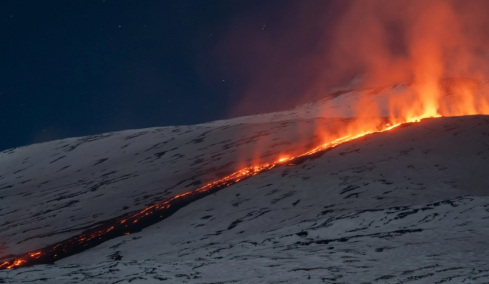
407	206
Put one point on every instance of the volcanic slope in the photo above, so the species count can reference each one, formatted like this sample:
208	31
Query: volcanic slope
408	205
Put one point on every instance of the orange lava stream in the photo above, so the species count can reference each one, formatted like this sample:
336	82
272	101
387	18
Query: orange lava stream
407	108
247	172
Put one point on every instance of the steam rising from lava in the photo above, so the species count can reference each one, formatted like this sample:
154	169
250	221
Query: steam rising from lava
412	41
306	48
309	47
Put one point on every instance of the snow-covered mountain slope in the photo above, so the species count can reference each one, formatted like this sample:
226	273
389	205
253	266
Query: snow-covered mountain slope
409	205
54	190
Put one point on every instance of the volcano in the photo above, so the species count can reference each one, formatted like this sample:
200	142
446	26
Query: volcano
405	204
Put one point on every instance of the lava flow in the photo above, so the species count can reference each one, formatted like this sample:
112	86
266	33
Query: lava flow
134	222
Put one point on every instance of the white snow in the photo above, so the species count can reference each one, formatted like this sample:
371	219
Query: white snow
407	206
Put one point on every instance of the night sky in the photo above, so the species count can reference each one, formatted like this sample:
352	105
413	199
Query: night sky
74	68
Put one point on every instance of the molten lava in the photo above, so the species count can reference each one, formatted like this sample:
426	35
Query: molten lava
136	221
453	101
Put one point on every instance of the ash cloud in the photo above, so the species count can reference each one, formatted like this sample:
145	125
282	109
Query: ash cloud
282	55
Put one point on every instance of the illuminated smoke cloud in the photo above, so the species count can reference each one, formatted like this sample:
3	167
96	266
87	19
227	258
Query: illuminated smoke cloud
307	48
